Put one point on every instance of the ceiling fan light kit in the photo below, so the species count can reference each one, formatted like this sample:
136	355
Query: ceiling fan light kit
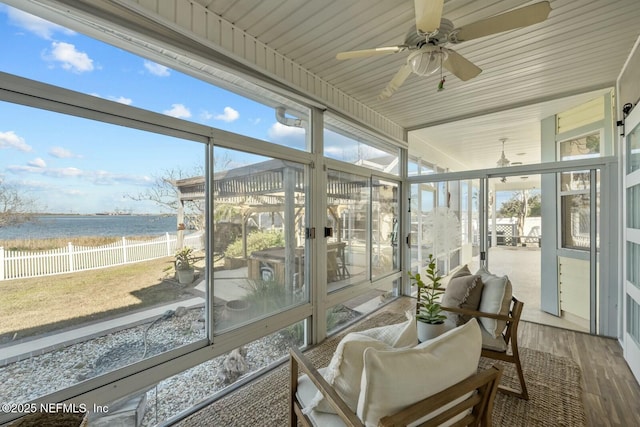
426	62
431	33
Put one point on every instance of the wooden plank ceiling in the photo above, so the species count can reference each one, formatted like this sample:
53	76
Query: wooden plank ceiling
579	49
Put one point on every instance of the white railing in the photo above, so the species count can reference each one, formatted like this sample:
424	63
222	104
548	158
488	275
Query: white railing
22	264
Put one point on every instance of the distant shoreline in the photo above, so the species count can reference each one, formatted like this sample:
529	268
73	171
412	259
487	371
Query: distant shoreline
102	214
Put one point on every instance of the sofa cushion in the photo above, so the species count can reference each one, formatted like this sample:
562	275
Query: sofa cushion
462	291
496	298
396	378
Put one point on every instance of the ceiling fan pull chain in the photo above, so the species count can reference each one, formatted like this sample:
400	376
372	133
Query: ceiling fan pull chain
441	84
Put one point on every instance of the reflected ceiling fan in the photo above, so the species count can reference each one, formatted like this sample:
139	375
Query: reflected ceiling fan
432	33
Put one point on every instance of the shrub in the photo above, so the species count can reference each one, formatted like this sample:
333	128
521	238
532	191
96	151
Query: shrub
256	241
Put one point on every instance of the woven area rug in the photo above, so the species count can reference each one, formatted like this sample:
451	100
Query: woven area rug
553	382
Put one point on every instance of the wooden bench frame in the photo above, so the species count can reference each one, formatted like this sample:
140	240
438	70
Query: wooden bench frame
510	337
481	403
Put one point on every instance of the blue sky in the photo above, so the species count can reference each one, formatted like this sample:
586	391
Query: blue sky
76	165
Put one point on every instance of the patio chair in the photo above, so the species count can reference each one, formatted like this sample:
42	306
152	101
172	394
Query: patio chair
505	346
435	382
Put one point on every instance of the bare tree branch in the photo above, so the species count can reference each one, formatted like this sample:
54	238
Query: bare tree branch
15	206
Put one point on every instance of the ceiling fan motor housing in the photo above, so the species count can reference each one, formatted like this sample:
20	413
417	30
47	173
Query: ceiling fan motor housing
440	37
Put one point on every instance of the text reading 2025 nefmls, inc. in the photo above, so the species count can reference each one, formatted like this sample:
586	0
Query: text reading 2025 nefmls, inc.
52	408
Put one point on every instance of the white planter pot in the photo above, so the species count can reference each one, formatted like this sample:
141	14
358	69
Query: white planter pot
427	331
185	276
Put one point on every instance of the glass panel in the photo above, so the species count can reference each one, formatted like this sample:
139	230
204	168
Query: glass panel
633	206
575	181
94	246
342	315
633	263
575	221
449	231
259	237
53	54
633	319
413	167
182	391
348	202
360	151
584	147
633	150
384	227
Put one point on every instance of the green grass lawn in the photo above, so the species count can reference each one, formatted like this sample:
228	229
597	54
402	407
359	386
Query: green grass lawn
30	307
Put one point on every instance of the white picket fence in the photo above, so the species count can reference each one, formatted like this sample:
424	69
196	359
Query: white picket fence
22	264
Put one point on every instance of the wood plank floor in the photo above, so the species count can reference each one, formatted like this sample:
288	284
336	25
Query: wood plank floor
611	393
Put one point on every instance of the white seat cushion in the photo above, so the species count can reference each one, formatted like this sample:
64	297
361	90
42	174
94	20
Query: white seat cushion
396	378
306	394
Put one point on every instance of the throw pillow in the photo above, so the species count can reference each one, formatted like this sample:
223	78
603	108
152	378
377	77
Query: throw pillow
398	335
496	298
462	292
345	370
395	379
462	271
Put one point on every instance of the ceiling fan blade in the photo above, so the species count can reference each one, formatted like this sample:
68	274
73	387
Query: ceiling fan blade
428	14
396	82
370	52
460	67
518	18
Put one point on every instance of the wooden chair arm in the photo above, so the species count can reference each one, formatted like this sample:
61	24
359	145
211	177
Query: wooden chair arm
475	313
297	359
486	380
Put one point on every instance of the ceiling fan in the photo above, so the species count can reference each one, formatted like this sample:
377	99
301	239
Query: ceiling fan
432	33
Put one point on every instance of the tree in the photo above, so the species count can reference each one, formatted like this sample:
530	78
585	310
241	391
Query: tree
520	206
164	193
15	206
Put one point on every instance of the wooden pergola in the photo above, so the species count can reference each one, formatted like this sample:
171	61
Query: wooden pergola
274	186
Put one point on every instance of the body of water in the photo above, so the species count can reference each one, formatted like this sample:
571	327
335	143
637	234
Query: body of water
47	226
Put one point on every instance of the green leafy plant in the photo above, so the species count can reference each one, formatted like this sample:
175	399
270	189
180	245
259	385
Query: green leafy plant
184	257
256	241
429	293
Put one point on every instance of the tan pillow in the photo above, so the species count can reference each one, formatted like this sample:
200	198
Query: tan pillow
462	292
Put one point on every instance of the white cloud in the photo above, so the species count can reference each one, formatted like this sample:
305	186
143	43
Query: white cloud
9	139
122	100
156	69
278	131
38	163
179	111
63	153
35	25
255	121
205	115
98	177
70	58
229	115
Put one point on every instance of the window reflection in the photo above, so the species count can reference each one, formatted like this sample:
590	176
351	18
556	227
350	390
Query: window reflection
259	240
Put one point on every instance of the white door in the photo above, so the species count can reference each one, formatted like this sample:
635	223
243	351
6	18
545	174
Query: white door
631	251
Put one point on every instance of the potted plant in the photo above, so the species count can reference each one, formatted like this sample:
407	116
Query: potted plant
184	269
429	315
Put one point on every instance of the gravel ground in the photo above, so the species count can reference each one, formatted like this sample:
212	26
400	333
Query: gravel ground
43	374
